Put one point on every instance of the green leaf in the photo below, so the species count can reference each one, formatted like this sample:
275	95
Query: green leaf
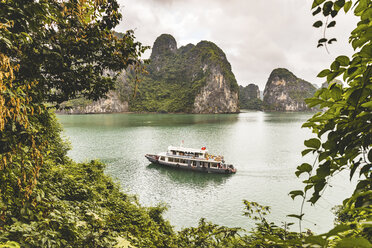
324	73
365	169
347	6
306	151
339	4
337	229
334	13
331	24
318	24
362	185
305	167
335	65
370	155
317	3
322	40
332	40
336	93
367	14
315	197
10	244
343	60
353	99
327	8
357	242
367	105
307	187
313	143
323	171
317	11
353	167
332	76
6	41
362	5
296	216
323	155
312	102
295	193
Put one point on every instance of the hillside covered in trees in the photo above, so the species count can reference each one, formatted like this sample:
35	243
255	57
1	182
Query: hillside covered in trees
249	97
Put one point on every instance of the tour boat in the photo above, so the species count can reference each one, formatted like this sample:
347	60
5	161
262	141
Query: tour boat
192	159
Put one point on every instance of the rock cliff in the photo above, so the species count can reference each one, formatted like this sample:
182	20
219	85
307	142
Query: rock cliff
111	104
249	97
192	78
285	92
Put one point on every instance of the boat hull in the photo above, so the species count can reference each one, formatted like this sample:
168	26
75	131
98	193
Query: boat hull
155	159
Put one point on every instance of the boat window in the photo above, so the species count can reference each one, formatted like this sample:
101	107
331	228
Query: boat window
170	159
162	158
176	160
194	163
181	153
174	152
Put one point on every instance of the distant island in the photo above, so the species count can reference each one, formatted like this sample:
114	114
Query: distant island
286	92
249	97
195	79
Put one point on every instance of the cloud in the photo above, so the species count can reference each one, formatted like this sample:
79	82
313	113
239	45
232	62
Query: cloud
257	36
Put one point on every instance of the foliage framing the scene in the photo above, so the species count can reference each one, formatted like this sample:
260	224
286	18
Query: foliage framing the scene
54	51
343	128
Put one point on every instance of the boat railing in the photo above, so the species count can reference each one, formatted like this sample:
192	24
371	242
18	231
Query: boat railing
208	157
180	156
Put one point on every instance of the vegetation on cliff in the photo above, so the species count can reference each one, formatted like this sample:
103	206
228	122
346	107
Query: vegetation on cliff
176	76
249	97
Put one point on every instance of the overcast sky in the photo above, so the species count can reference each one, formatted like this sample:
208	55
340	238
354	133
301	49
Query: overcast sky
256	35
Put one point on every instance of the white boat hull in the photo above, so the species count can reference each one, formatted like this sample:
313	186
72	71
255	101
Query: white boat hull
188	166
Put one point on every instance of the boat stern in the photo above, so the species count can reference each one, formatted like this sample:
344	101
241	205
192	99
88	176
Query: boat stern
231	169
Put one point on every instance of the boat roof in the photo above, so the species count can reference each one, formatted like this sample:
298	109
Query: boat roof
185	149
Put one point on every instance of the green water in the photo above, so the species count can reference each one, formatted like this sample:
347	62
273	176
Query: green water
264	147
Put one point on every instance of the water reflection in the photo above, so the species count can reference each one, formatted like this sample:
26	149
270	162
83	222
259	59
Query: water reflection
286	117
190	178
143	120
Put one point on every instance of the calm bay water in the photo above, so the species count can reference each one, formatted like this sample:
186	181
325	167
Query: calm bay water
264	147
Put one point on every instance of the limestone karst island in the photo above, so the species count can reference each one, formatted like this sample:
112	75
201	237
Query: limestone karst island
195	79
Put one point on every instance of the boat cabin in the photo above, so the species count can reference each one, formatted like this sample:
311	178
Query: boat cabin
182	151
